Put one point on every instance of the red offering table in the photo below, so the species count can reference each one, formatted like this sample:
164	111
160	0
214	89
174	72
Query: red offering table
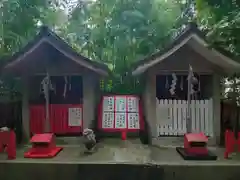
120	113
195	143
195	147
43	146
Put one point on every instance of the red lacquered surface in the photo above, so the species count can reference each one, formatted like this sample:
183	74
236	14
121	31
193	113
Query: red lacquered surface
230	142
43	146
42	138
124	135
50	154
58	117
37	118
8	140
195	138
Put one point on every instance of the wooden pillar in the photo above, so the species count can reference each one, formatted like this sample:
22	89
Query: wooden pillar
150	104
216	109
88	100
25	108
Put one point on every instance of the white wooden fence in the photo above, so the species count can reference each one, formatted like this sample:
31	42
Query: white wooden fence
171	116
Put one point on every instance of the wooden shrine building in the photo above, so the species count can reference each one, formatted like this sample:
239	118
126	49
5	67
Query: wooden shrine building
73	85
165	94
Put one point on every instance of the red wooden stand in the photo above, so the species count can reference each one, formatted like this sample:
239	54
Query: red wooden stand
114	111
195	143
230	143
124	135
8	143
43	146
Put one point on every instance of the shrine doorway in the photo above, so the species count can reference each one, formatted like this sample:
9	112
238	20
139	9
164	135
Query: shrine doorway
63	90
65	105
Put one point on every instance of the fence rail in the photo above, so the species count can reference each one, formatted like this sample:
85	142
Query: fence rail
171	116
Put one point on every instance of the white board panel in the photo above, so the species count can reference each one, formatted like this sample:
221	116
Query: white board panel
133	103
120	104
133	121
108	103
108	120
120	121
74	116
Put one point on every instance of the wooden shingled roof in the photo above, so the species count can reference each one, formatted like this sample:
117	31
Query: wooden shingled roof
195	38
47	36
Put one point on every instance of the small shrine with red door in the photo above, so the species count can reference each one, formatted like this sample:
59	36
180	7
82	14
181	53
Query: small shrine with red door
60	88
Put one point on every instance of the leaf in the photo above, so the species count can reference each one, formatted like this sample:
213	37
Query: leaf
132	14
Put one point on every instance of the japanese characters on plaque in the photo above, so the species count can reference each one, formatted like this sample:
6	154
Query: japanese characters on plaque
108	119
120	121
120	112
133	121
74	116
108	103
120	104
132	104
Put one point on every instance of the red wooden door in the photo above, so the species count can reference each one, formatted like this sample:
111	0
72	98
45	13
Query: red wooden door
58	117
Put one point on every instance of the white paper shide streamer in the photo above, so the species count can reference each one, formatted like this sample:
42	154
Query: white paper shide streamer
173	85
45	87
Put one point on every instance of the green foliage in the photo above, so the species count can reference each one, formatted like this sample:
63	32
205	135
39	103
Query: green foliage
123	85
120	32
20	21
222	20
115	32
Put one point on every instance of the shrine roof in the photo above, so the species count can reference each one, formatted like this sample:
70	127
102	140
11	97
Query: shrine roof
195	38
48	36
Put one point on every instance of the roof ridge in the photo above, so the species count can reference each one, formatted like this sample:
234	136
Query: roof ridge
46	32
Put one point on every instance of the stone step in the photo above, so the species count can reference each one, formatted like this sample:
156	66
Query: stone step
69	140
